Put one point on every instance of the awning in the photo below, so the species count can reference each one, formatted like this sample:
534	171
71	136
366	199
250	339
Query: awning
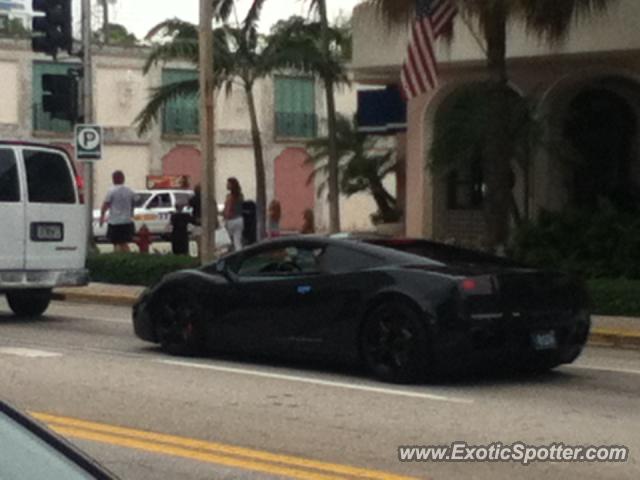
381	111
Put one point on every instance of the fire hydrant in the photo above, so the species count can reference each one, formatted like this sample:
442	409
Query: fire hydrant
143	239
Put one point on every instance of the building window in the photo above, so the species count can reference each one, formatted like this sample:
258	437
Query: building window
465	188
295	106
180	114
42	121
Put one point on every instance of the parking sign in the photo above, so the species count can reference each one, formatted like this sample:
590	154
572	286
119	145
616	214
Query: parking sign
88	142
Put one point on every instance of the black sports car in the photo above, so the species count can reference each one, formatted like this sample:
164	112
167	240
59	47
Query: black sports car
401	315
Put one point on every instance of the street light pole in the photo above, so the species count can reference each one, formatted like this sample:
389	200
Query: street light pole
207	133
87	105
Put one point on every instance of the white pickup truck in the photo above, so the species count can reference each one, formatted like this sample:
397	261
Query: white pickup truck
43	232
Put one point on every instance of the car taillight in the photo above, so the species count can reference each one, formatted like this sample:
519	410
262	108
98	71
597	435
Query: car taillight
481	285
80	186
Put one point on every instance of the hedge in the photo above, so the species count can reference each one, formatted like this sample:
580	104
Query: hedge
136	269
618	296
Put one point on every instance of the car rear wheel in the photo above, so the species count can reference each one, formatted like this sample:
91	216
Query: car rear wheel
393	344
29	303
179	323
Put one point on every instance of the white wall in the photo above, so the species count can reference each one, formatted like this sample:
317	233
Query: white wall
379	47
10	92
133	160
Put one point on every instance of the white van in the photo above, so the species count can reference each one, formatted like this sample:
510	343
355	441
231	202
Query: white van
42	226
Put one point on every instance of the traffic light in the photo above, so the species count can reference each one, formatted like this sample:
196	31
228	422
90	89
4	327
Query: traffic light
60	96
53	31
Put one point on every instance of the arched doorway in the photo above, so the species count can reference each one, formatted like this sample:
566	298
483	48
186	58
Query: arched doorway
601	127
292	187
183	160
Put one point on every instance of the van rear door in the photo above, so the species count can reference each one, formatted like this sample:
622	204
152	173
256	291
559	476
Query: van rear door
56	224
12	213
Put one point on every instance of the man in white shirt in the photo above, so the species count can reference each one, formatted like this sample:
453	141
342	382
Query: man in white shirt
119	202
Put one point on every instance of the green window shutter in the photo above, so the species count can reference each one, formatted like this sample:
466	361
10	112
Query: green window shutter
295	107
180	115
42	121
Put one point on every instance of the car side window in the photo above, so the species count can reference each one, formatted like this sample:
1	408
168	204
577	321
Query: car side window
161	200
182	198
9	186
281	261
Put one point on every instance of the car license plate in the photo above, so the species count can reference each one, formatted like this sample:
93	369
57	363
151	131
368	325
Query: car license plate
544	340
47	232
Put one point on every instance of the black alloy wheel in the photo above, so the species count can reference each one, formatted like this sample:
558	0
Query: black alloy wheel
29	303
393	344
179	324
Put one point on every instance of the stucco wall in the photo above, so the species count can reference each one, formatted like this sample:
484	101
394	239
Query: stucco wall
123	94
133	160
380	48
9	92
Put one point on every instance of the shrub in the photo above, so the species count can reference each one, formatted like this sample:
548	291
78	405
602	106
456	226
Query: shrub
597	244
615	297
136	269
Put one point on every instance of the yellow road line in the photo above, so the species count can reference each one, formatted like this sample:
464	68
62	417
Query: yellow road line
202	447
191	454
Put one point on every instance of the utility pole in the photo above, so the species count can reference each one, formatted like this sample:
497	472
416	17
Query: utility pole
87	106
207	133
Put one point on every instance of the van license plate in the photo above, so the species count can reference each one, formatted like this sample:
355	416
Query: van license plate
47	232
544	340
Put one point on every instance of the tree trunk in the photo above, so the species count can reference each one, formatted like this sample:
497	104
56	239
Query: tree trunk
207	134
105	22
498	152
385	203
334	182
261	194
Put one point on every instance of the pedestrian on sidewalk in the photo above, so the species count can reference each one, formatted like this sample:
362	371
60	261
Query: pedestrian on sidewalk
180	221
119	202
273	221
308	222
234	223
195	203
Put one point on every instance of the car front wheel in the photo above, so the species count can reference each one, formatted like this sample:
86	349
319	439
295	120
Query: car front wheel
179	323
393	344
29	303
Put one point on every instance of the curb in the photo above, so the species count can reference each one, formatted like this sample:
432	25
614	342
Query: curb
599	337
110	299
616	338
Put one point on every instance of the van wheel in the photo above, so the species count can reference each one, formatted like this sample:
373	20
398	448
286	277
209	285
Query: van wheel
29	303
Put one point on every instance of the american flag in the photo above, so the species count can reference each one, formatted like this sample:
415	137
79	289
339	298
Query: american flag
420	69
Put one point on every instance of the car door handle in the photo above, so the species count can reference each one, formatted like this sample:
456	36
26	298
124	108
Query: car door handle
304	289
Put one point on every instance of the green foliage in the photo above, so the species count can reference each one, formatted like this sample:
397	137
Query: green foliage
14	28
615	296
600	244
363	166
118	36
136	269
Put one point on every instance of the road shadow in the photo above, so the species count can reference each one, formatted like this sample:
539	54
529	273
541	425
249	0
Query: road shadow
478	379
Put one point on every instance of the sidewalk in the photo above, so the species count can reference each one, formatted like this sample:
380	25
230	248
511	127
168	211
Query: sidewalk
618	332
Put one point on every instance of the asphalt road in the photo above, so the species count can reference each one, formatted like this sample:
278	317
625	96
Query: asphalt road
146	415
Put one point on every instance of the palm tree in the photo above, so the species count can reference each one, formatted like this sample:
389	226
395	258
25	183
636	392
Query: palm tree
242	56
551	20
363	167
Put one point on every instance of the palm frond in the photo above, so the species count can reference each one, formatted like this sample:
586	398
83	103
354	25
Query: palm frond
173	28
186	50
159	97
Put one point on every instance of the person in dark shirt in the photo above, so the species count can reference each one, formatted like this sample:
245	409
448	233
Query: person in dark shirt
180	231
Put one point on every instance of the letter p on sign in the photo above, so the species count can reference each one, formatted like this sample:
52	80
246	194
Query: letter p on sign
88	142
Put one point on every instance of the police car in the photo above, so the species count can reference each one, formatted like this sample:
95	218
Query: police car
152	208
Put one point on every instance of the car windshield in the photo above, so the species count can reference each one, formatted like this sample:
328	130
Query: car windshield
26	456
140	199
